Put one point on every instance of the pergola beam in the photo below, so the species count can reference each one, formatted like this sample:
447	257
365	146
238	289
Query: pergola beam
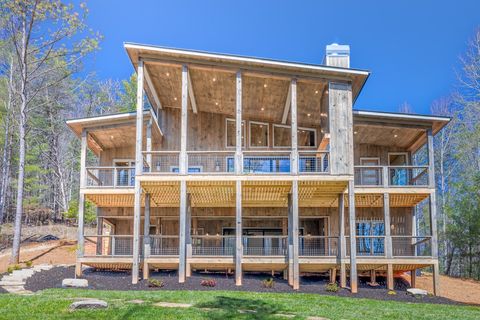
288	102
149	82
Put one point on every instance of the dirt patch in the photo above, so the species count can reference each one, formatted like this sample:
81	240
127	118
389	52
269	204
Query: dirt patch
107	280
464	290
51	252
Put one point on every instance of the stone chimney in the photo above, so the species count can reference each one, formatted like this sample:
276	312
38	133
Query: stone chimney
337	55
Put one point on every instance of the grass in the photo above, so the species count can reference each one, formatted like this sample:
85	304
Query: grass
54	303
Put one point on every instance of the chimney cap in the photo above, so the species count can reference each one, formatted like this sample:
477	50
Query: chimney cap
336	49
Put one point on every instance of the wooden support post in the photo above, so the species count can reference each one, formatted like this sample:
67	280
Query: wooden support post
333	275
373	277
238	126
238	233
99	232
294	132
342	247
81	200
386	217
149	144
183	158
413	278
353	240
146	237
295	240
138	171
436	279
290	241
390	281
188	271
182	232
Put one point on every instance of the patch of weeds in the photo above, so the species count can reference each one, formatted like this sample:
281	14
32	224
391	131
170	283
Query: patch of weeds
391	292
208	283
332	287
29	263
268	283
155	283
13	267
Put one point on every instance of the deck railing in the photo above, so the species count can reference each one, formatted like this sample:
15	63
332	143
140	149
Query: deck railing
412	246
266	162
313	161
370	246
265	245
164	245
108	245
161	161
110	177
213	245
318	246
211	162
391	176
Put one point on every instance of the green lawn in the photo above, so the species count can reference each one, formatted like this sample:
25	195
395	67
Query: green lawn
54	303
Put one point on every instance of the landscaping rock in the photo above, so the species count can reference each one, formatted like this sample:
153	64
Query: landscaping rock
417	292
89	304
136	301
75	283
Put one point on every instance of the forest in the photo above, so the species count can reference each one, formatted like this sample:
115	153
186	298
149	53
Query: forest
43	46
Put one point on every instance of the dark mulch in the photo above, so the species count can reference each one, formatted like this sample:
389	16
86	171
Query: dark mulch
121	280
3	290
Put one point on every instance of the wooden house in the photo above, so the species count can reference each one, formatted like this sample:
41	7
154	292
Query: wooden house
245	164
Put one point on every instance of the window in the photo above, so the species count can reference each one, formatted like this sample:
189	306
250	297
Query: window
256	164
192	169
370	177
230	133
282	137
398	176
371	240
258	135
124	172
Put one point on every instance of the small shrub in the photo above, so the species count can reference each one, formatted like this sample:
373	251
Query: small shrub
332	287
208	283
17	267
391	292
268	283
155	283
29	263
10	269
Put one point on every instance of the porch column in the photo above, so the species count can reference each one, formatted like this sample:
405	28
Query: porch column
433	211
388	238
294	132
183	166
81	203
353	240
238	126
182	232
290	241
188	230
99	232
149	144
238	233
146	237
342	248
137	207
295	249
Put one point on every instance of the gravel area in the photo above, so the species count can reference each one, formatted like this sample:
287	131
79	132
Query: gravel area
121	280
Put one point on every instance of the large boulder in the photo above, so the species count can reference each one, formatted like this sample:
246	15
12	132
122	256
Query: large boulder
89	304
75	283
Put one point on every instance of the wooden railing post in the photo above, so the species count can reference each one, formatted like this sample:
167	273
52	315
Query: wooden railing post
386	176
353	239
341	240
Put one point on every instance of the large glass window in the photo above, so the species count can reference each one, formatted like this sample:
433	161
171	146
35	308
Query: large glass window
258	134
282	137
230	133
307	137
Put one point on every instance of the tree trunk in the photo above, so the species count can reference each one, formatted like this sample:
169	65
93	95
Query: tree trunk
17	236
6	150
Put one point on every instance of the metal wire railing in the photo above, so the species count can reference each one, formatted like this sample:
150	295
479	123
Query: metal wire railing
110	176
391	176
161	161
370	245
411	246
108	245
318	246
313	161
211	162
266	162
213	245
265	245
163	245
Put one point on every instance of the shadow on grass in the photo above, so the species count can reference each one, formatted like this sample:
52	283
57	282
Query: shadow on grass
235	308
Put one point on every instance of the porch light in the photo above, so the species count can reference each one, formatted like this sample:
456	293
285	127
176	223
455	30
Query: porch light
167	74
355	132
262	110
111	137
217	166
214	79
316	91
326	92
175	98
323	114
308	114
264	85
216	103
395	135
157	165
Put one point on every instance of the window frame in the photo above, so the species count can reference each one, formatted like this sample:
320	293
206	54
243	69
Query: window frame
298	129
250	134
244	133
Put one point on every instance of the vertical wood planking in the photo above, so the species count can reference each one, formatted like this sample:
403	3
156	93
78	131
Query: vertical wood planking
353	240
294	132
238	233
341	128
138	171
183	166
386	217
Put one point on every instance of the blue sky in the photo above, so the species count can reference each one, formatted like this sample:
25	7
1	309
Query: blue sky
411	47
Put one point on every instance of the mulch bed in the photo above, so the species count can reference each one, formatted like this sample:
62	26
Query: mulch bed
121	280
